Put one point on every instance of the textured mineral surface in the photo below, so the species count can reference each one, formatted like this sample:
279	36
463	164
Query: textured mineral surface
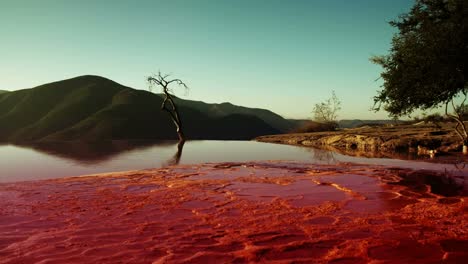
267	212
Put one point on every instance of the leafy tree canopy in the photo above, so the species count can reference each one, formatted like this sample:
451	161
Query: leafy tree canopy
427	63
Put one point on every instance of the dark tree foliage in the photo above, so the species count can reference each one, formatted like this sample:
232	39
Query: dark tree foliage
428	63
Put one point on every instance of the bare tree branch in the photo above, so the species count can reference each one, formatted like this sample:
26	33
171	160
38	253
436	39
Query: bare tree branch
161	81
327	112
462	133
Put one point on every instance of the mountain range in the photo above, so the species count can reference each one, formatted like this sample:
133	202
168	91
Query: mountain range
93	108
352	123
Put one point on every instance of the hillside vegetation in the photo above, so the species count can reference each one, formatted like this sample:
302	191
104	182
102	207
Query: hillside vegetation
352	123
95	108
225	109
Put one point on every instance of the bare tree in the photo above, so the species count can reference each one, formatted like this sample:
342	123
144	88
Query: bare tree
161	80
327	112
459	111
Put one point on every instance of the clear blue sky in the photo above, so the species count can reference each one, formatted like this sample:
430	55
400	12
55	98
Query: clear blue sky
281	55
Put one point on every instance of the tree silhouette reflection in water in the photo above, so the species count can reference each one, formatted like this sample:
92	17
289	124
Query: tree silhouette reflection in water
54	160
175	160
102	151
325	156
90	153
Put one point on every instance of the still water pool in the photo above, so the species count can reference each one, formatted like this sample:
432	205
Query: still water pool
46	161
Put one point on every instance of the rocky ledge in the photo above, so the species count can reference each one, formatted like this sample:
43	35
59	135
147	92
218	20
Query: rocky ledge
422	139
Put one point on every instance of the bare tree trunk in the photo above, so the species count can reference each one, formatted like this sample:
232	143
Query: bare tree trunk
174	114
161	80
460	128
180	131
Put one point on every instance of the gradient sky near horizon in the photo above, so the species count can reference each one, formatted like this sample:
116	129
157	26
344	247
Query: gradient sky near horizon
280	55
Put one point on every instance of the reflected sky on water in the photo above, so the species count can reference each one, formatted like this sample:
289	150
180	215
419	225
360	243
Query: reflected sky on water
45	161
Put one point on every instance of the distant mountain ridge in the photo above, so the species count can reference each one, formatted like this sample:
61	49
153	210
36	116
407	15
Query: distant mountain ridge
225	109
95	108
352	123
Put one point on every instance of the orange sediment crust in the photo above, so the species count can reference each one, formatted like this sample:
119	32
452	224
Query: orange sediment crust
273	212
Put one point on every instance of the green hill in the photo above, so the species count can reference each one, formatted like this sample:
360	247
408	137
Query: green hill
95	108
225	109
3	91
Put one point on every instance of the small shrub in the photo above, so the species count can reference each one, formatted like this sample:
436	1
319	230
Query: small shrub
311	126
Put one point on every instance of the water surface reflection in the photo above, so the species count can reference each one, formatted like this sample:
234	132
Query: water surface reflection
42	161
